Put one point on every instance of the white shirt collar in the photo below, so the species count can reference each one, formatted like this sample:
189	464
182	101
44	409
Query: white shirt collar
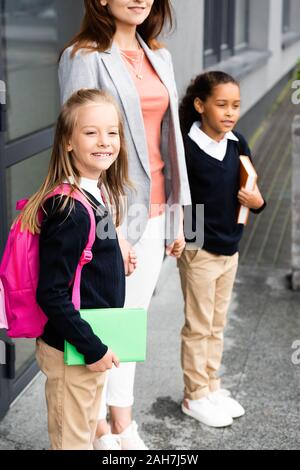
211	147
91	186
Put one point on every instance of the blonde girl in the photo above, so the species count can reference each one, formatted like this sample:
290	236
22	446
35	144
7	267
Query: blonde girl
89	150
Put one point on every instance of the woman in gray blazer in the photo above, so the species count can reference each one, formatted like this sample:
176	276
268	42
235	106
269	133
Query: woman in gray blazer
117	50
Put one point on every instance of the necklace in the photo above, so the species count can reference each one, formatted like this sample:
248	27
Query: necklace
133	61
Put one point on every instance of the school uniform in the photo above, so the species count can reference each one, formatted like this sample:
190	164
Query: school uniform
73	392
208	273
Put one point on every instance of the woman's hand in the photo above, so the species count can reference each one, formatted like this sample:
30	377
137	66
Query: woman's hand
128	254
251	199
105	363
132	261
176	248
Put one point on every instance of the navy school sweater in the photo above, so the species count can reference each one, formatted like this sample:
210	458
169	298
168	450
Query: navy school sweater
62	240
216	185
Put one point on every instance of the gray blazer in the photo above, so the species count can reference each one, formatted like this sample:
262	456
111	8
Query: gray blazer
107	71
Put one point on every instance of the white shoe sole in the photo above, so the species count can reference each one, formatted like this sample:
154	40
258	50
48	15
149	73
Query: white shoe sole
194	415
242	413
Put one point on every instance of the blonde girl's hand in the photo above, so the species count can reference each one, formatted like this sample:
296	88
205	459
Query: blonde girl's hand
251	199
105	363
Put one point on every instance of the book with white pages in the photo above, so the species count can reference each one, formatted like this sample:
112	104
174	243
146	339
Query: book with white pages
248	180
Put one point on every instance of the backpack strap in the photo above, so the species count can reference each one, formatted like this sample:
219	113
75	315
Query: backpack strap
87	254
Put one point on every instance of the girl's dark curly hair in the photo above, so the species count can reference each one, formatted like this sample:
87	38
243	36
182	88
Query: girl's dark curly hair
201	87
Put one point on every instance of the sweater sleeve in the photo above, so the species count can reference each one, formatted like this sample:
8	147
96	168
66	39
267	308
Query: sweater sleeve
62	240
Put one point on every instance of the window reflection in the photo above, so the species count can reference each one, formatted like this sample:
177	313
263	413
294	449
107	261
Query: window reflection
286	16
241	23
23	179
34	33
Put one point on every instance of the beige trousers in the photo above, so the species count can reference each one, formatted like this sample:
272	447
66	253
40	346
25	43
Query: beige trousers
207	282
73	395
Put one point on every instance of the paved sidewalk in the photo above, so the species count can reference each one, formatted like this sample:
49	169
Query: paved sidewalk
258	369
267	239
264	323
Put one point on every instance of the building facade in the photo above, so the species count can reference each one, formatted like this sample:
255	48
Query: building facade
257	41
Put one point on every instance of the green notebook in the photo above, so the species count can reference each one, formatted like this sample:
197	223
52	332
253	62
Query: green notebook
123	330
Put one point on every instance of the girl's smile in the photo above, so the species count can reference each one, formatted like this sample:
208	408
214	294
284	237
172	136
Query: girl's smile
129	12
102	155
95	143
138	10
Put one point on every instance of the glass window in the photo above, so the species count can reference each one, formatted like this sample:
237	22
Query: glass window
241	23
34	34
23	179
226	28
226	20
209	33
286	16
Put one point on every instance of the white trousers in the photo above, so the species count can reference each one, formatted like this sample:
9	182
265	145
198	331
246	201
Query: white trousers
119	384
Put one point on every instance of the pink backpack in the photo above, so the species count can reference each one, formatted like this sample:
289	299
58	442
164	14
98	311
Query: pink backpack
19	272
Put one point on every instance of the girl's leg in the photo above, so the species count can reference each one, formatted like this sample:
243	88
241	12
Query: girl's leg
73	396
120	396
139	290
103	427
199	271
224	287
207	281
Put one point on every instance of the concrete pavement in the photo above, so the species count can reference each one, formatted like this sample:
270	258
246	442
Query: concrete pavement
258	369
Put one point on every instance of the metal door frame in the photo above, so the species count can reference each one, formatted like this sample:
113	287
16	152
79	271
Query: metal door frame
5	382
10	154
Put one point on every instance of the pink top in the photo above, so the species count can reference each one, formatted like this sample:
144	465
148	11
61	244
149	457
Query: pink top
154	103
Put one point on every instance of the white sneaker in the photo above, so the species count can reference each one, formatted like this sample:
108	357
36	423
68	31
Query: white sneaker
222	399
130	439
206	412
108	442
